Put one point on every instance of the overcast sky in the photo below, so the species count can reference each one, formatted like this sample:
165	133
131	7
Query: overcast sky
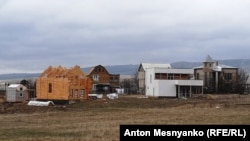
37	33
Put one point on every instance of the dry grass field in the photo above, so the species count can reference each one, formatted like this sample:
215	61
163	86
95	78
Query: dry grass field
99	120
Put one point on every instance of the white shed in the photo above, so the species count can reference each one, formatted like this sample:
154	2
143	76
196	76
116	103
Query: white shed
16	93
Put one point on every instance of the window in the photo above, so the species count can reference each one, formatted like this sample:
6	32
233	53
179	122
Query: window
113	79
81	93
160	76
197	76
96	77
50	88
76	93
76	79
94	87
71	92
157	76
228	76
170	76
21	94
21	88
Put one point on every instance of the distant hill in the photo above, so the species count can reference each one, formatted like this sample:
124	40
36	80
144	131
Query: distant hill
12	76
118	69
131	69
243	64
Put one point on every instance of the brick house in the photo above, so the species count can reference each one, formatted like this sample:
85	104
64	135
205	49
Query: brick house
103	81
216	76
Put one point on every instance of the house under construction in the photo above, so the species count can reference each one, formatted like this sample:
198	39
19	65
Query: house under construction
60	83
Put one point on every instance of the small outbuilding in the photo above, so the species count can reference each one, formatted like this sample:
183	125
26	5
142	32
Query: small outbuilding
16	93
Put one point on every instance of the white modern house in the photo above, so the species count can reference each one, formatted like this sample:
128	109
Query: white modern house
167	82
142	73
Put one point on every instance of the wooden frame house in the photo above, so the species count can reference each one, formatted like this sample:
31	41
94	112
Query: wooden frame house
60	83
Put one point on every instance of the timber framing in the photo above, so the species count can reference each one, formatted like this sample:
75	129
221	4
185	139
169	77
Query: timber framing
61	83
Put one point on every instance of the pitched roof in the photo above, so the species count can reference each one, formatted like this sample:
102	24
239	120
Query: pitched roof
226	66
209	59
154	65
91	69
17	86
14	85
219	67
58	71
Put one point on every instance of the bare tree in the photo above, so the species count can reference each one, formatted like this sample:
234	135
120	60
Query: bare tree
242	85
131	85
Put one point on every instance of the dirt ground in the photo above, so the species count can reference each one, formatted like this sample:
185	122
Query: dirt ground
137	101
100	119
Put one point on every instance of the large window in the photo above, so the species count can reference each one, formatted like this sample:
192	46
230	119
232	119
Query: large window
160	75
167	76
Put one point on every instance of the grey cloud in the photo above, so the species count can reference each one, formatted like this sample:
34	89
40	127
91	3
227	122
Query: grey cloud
42	32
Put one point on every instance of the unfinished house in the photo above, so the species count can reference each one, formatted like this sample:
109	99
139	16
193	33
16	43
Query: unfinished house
217	77
60	83
166	82
103	81
16	93
142	71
